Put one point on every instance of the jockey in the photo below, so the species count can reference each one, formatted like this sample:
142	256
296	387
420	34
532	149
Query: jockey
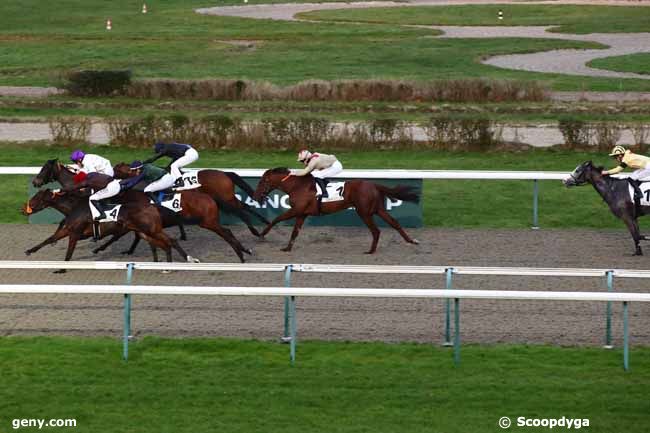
104	185
181	155
625	158
320	165
91	163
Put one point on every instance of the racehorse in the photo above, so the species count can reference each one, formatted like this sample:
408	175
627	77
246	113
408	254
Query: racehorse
220	185
78	223
616	194
53	170
367	198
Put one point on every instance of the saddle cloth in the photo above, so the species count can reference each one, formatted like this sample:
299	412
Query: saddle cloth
645	190
112	213
171	201
190	180
334	190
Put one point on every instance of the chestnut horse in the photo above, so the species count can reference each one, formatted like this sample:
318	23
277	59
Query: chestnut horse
367	198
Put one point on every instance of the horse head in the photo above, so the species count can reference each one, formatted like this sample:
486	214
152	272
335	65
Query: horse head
122	171
39	201
47	173
582	175
271	179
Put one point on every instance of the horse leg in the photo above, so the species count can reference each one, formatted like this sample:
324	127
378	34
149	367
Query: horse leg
136	241
367	219
226	235
159	240
175	245
110	242
72	243
300	220
181	228
285	216
633	227
394	224
60	233
244	216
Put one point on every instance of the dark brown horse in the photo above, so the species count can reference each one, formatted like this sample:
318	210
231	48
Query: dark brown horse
220	185
144	220
368	199
615	192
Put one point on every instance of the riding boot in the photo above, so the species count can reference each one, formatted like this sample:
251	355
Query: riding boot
179	183
152	196
323	186
100	208
319	202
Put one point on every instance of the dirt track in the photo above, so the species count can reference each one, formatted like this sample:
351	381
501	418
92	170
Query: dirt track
340	319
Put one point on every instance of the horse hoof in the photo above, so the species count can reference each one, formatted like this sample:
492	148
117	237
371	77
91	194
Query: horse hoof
248	251
415	242
126	253
28	253
60	271
95	251
191	259
166	271
286	249
369	252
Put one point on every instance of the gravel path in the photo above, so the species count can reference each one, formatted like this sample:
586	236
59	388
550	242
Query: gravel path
571	62
339	319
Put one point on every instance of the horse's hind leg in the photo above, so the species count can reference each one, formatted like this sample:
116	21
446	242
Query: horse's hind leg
227	236
111	241
181	251
367	219
181	228
394	224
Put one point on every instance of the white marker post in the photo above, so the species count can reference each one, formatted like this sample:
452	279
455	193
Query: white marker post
144	8
109	24
500	15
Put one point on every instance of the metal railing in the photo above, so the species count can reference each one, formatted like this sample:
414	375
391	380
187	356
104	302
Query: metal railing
290	293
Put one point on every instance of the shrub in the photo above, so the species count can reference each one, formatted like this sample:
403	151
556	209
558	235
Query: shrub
641	133
576	133
70	131
98	83
606	135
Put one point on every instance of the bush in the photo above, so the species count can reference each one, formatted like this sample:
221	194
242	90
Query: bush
467	90
70	131
98	83
641	133
576	133
606	135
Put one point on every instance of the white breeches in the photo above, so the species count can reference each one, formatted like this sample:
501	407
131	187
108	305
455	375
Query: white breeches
190	156
332	170
112	189
640	174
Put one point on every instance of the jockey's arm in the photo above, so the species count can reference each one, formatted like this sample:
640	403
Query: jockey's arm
311	166
153	158
614	170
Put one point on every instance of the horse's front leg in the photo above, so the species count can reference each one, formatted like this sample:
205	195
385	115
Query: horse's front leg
111	241
633	227
285	216
72	244
60	233
300	220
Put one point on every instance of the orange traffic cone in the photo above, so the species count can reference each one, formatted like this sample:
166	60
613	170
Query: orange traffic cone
109	24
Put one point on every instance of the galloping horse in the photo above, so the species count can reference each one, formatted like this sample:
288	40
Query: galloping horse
78	223
616	194
220	185
366	197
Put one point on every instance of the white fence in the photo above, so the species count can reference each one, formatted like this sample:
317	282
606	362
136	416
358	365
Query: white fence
290	293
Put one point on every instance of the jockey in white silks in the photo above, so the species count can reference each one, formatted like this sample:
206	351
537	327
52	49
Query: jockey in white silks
320	165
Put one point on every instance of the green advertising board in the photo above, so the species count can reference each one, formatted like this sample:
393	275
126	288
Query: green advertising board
408	214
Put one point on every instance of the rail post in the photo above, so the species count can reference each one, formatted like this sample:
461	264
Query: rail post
449	275
292	350
456	332
626	339
127	314
287	283
535	205
608	321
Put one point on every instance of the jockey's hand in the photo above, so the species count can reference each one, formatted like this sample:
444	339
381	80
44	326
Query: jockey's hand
604	173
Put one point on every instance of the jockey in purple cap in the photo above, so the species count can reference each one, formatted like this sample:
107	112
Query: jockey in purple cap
90	163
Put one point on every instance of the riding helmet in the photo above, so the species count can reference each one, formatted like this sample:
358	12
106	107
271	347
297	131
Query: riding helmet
617	150
135	165
303	155
77	155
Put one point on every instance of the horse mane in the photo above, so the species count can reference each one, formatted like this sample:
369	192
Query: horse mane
279	170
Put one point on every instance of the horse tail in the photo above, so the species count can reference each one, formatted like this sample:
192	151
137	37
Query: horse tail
240	182
399	192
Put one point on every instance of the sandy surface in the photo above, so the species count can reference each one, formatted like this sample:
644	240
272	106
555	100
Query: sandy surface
340	319
571	62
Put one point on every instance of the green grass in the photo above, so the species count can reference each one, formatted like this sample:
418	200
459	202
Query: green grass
41	41
200	385
637	63
565	18
457	203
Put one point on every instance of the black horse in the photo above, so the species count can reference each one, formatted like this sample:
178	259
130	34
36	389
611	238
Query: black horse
616	194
